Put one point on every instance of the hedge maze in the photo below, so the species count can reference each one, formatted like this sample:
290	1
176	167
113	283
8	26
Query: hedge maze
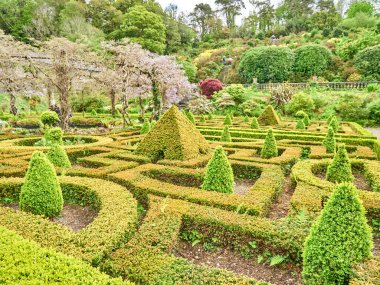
147	192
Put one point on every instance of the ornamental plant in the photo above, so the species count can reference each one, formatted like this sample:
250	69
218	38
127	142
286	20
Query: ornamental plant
270	146
58	157
190	116
226	137
41	194
340	169
300	115
334	124
54	135
209	116
145	127
210	86
268	117
306	120
49	118
219	176
338	239
255	123
300	125
246	119
228	120
202	119
329	142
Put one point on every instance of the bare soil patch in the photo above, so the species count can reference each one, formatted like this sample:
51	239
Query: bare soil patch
280	208
242	186
72	216
359	181
224	258
376	245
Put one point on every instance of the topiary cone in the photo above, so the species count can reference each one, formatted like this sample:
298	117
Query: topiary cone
338	239
226	137
58	157
340	169
227	120
334	124
41	194
145	127
219	176
300	125
329	142
306	120
255	123
270	146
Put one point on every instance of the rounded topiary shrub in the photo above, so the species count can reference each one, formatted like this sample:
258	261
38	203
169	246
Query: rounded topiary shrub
340	169
300	114
311	60
367	61
255	123
300	125
49	118
226	137
219	176
210	86
54	135
145	127
270	146
41	194
58	157
338	239
267	64
227	120
329	142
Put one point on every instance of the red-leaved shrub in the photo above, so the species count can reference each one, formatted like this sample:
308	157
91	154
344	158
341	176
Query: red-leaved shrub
209	86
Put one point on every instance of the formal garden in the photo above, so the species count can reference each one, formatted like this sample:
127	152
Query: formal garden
144	146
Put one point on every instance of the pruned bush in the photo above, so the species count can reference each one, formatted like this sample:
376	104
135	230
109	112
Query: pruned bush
49	118
210	86
300	114
219	176
339	239
268	117
334	124
367	61
145	127
255	123
228	120
306	120
300	102
300	125
58	157
54	135
246	119
41	194
269	149
311	60
226	137
340	168
190	116
202	119
329	142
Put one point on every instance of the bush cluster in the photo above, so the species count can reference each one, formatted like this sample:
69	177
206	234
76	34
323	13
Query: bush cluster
49	118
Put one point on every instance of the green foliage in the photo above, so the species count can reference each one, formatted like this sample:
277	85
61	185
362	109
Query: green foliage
366	61
329	141
202	119
374	110
373	87
219	176
54	135
58	157
237	91
351	107
88	102
360	7
300	115
41	194
145	127
347	48
340	168
246	119
267	64
338	239
334	124
311	60
227	120
49	118
190	70
306	120
255	123
190	116
300	102
269	149
226	137
268	117
93	113
300	125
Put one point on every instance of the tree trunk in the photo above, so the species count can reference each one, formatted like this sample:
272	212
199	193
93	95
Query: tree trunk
142	109
12	102
49	95
156	103
113	101
65	110
124	112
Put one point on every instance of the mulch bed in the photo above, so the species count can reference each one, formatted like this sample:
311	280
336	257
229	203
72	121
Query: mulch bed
280	208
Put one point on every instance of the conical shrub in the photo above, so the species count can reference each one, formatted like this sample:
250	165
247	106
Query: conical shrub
246	119
300	125
340	169
41	194
219	176
329	142
209	117
255	123
227	120
58	157
226	136
306	120
270	146
329	119
202	119
145	127
338	239
190	116
268	117
334	124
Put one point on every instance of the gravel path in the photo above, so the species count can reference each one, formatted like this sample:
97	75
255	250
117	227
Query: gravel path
376	132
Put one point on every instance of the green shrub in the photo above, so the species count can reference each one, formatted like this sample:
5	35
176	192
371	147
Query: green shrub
329	142
190	116
41	194
267	64
58	157
246	119
300	125
367	61
300	102
255	123
54	135
93	113
373	87
145	127
226	137
311	60
339	239
268	117
351	107
209	117
306	120
300	115
49	118
270	146
228	120
334	124
202	119
219	176
360	7
374	110
152	124
340	168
